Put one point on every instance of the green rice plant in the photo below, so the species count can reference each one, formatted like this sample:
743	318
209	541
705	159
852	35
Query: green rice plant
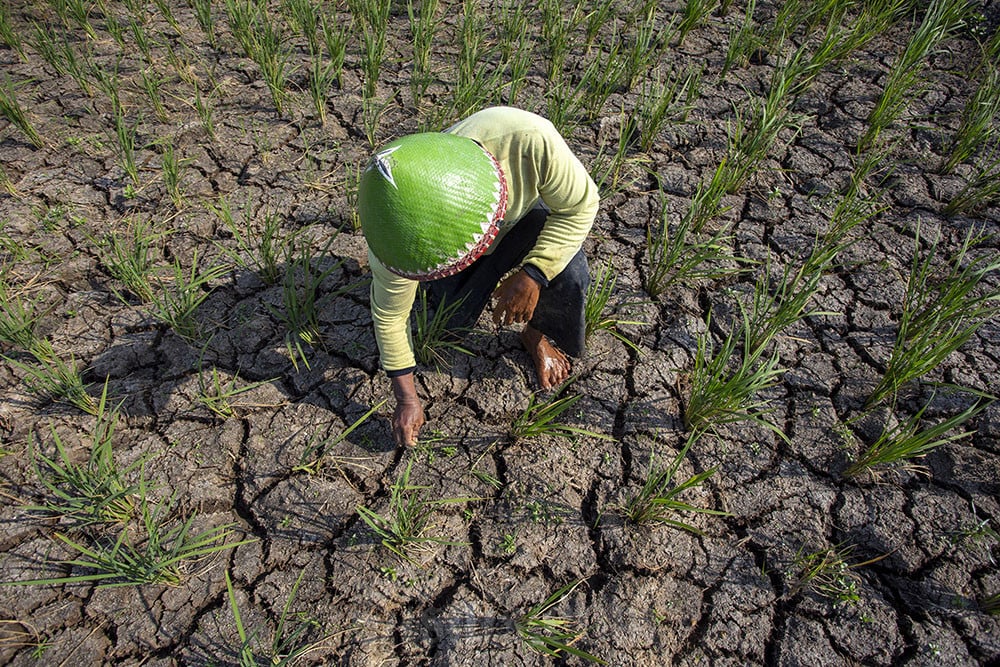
218	396
661	102
6	183
424	26
322	76
371	117
305	17
752	136
18	318
9	34
828	573
777	305
142	41
79	12
300	293
151	83
335	35
540	418
129	258
95	491
693	15
982	189
288	642
472	43
203	106
899	445
598	295
128	136
12	110
516	46
942	19
604	76
109	83
565	103
607	168
373	15
175	302
244	15
600	15
259	250
171	166
658	499
647	41
318	453
403	530
557	32
477	85
990	604
940	313
684	256
744	41
724	389
976	127
552	636
432	338
48	46
203	15
154	552
167	13
266	44
56	378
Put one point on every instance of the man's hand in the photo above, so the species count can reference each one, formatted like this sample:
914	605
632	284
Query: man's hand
516	299
408	417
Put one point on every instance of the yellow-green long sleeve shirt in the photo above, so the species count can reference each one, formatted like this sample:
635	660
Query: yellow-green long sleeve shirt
538	166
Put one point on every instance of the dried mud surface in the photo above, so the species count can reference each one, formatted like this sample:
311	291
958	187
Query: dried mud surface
536	514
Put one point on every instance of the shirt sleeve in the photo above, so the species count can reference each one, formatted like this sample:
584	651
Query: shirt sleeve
572	198
391	301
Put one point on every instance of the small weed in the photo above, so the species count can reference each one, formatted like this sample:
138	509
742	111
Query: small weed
288	642
55	377
901	444
129	258
92	492
827	573
539	418
176	302
318	454
11	109
218	396
552	635
724	391
598	295
657	501
403	530
939	313
432	338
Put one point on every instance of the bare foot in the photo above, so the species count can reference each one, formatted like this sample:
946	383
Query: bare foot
551	364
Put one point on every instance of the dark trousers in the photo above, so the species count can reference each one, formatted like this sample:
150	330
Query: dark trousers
559	313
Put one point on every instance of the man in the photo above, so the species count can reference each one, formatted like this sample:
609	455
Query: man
456	212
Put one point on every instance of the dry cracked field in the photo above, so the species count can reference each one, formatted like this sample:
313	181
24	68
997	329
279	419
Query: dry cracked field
171	237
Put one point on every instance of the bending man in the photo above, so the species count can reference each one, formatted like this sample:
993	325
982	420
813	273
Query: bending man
497	194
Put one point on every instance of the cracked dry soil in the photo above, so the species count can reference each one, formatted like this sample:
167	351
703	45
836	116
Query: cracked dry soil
535	514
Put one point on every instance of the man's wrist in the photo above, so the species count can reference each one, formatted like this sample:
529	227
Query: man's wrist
535	274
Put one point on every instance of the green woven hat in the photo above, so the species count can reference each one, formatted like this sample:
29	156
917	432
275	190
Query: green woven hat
431	204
